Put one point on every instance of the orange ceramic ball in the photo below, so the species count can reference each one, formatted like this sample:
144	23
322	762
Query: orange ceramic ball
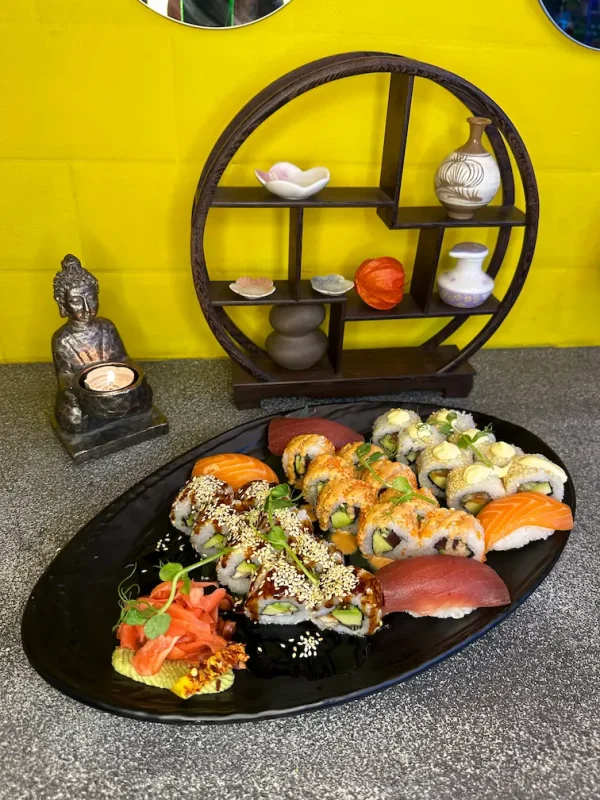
380	282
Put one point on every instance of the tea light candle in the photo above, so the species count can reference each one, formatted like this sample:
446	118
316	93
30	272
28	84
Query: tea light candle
109	378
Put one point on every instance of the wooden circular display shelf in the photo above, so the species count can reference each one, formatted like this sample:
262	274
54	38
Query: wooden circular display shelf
359	372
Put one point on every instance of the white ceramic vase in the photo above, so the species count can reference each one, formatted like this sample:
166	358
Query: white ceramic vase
469	177
466	285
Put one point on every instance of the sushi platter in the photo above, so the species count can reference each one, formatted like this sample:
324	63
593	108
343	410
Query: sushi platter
298	562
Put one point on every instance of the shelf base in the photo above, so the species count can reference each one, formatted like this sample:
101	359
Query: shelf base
363	372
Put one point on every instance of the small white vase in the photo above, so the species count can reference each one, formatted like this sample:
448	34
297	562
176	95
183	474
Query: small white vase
466	285
469	177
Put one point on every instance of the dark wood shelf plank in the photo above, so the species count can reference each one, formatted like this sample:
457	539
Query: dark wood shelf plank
436	216
426	264
357	310
437	308
221	295
394	143
330	197
295	250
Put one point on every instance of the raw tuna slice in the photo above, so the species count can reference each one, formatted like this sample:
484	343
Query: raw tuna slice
283	429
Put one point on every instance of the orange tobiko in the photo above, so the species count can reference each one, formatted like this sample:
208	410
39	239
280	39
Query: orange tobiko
380	282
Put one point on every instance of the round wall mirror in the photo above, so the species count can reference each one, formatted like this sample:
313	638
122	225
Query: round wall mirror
216	13
577	19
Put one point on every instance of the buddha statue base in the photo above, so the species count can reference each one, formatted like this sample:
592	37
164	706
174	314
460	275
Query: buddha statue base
113	436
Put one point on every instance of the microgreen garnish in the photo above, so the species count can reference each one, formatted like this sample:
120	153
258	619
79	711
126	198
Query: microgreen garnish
466	442
399	484
277	539
447	427
156	621
279	497
423	432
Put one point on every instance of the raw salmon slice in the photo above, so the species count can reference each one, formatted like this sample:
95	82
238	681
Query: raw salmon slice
504	516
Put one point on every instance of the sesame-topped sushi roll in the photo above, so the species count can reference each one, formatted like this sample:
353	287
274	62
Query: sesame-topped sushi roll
385	472
322	470
499	454
317	555
252	495
352	602
214	524
348	452
300	451
478	437
434	464
279	594
451	420
340	503
453	533
535	473
389	426
421	503
198	493
472	488
414	440
390	530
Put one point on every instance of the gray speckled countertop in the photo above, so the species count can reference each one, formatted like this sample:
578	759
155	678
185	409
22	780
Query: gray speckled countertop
516	715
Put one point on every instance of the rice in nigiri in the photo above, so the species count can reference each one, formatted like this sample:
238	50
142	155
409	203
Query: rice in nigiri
430	586
514	521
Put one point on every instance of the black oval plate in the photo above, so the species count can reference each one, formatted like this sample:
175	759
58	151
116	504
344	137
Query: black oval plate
67	624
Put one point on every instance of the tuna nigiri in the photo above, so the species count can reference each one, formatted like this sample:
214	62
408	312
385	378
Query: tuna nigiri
514	521
236	469
283	429
440	586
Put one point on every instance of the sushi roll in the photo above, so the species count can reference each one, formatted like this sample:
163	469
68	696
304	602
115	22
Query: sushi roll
422	503
321	470
340	503
389	426
198	493
435	463
499	454
385	472
213	526
451	418
414	440
279	594
300	452
516	520
250	551
389	530
317	555
478	437
535	473
472	488
353	602
252	495
348	452
452	533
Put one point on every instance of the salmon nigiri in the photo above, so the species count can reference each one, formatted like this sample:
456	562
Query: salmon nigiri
236	469
440	586
514	521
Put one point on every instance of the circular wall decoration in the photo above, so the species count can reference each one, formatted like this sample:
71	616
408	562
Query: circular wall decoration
216	13
577	19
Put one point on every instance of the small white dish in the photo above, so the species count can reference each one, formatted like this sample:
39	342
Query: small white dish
333	285
253	287
291	183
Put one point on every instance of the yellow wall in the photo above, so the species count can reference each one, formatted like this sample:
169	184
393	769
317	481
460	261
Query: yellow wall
109	112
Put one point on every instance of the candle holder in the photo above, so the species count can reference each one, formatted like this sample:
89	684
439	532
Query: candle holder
103	401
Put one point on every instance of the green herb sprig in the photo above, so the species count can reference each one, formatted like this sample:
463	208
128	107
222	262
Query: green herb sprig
466	442
156	621
399	484
447	426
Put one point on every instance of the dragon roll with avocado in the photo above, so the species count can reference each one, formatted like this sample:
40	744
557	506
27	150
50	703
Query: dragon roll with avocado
340	503
389	530
349	452
450	532
435	463
384	472
472	488
322	470
299	453
389	427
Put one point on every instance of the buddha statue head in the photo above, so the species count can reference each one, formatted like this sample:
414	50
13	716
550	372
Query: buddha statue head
76	291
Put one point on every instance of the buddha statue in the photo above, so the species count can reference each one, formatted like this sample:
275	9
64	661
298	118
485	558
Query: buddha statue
84	340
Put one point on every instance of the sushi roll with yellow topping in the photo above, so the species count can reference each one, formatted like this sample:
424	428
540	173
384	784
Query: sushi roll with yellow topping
535	473
388	428
340	503
499	454
414	440
435	463
449	420
472	488
452	533
300	451
389	530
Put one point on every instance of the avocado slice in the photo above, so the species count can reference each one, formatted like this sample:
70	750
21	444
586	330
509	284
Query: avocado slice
472	507
190	520
215	541
380	544
439	477
389	444
320	486
412	456
300	465
543	487
351	616
279	608
341	518
246	567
